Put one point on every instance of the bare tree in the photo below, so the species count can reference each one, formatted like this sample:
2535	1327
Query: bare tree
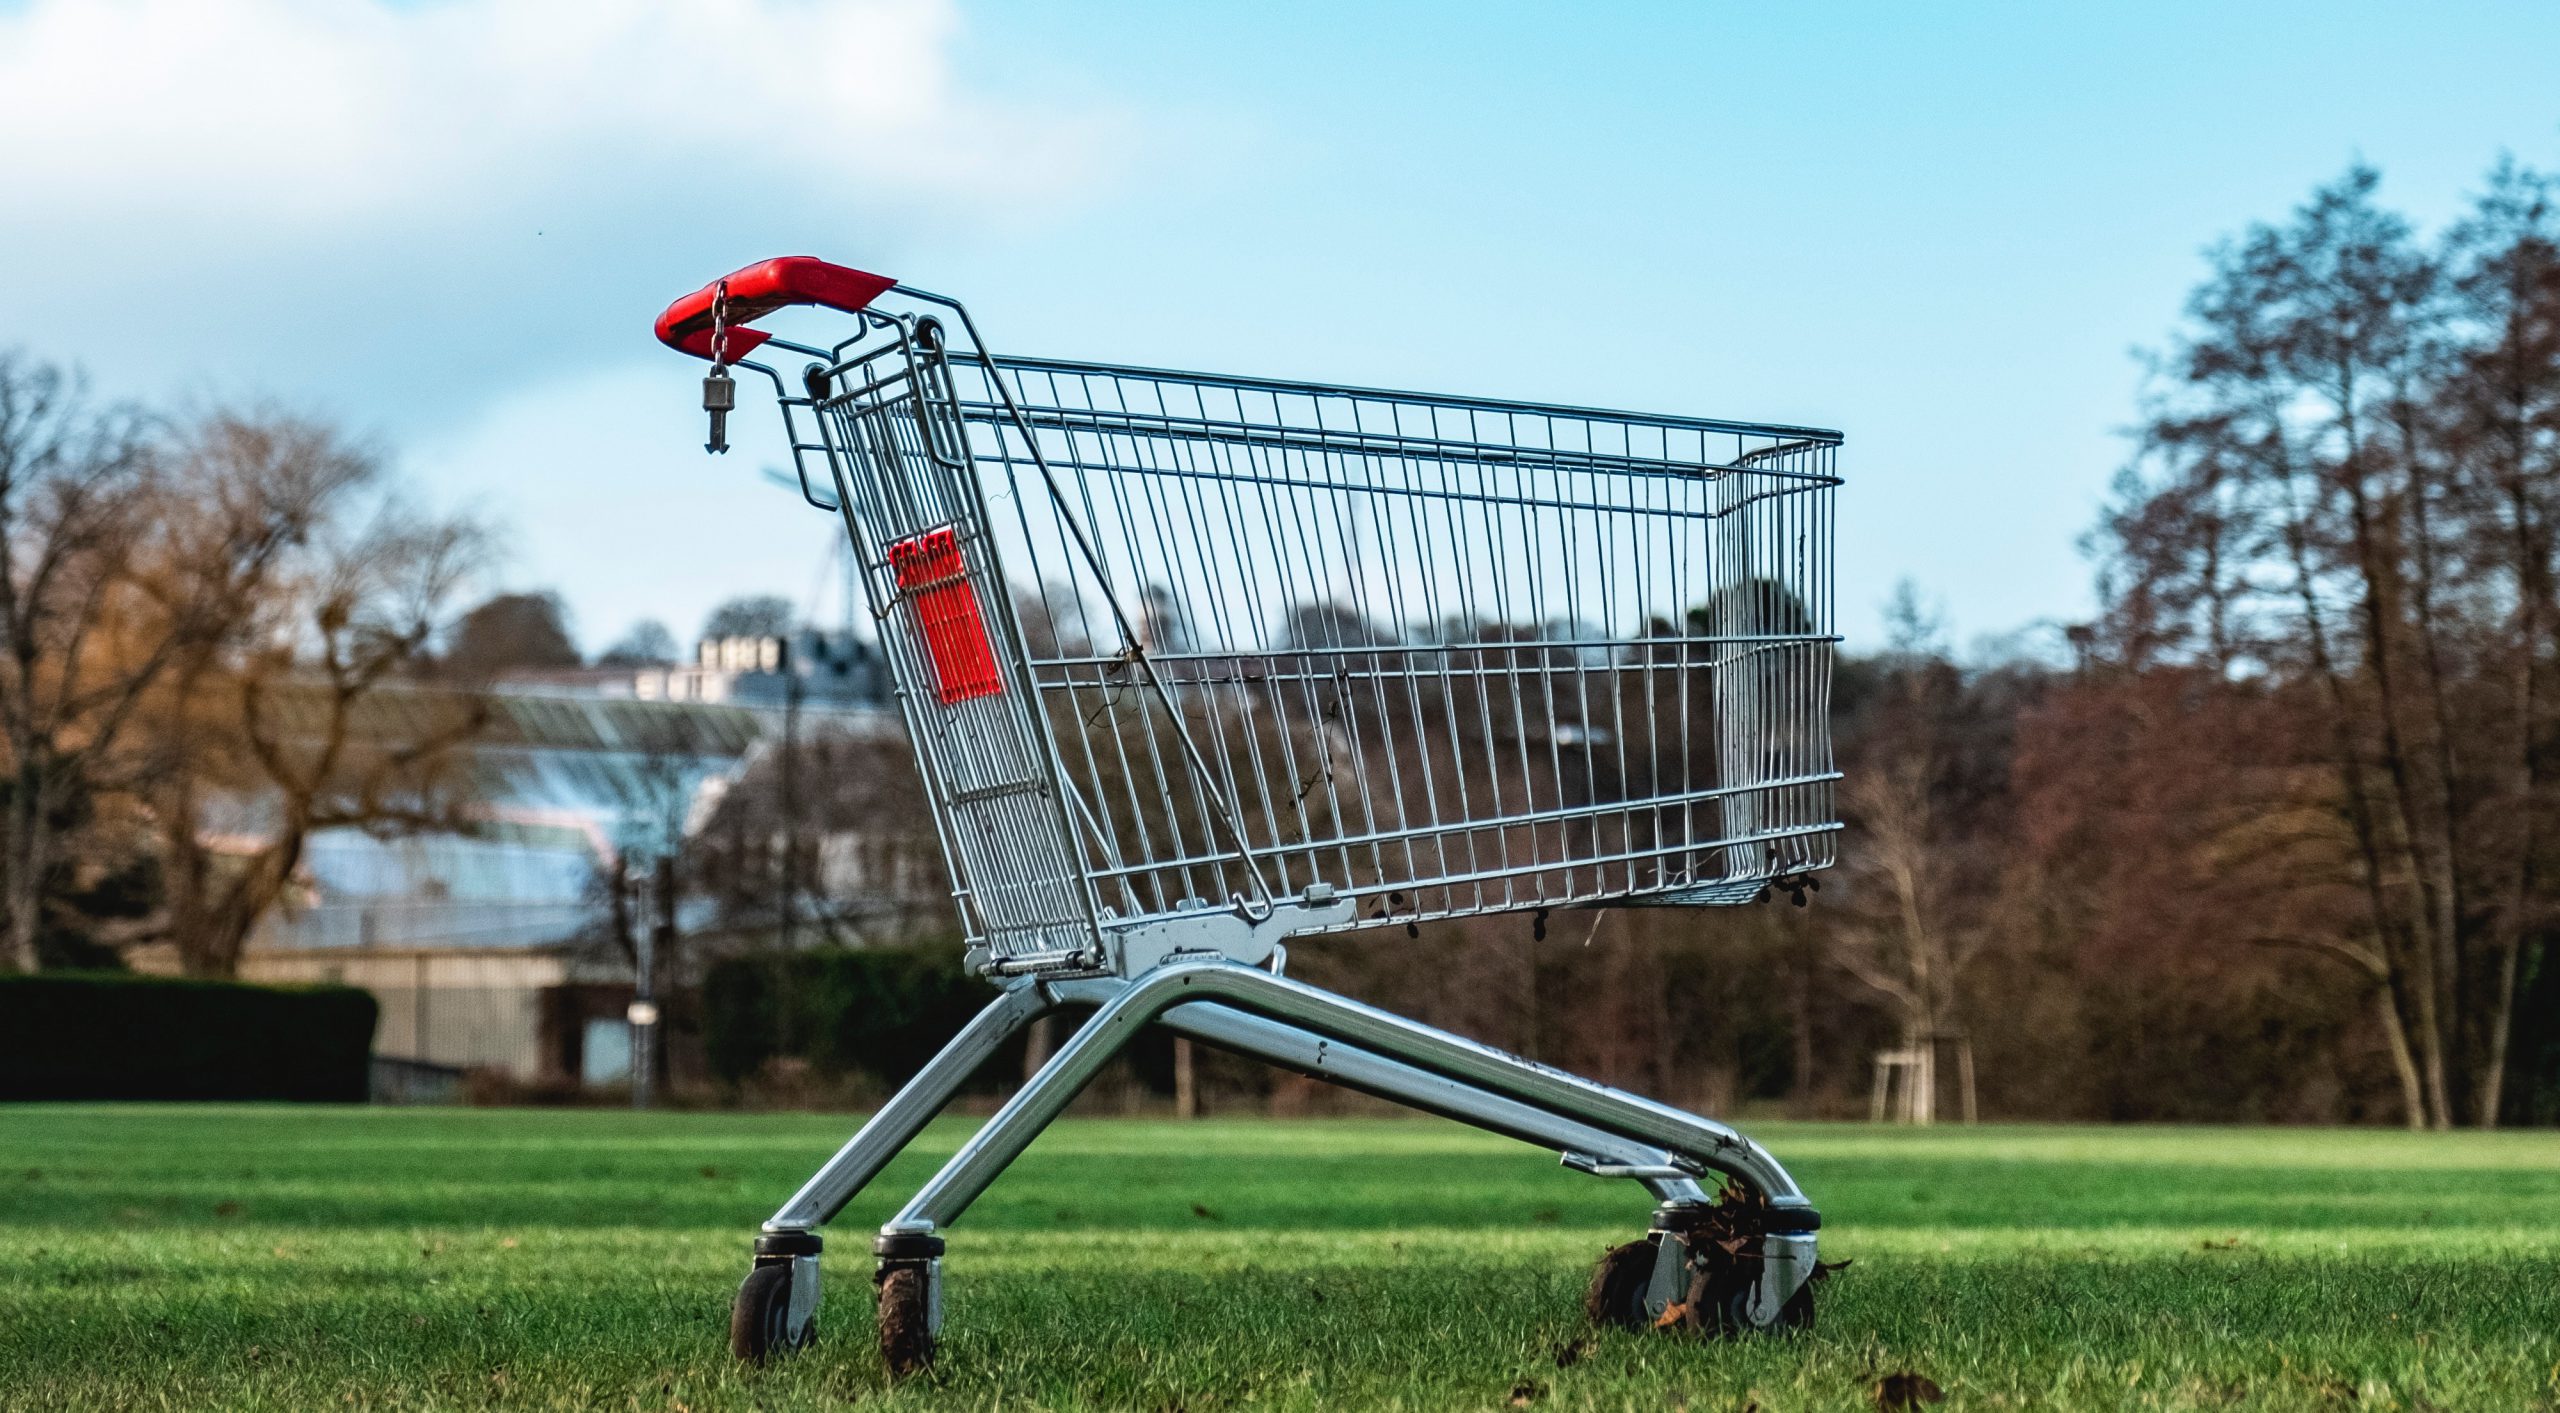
647	644
511	631
2350	492
1915	920
78	649
278	722
751	616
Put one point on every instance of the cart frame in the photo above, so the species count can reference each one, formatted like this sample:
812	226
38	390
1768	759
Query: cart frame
1175	909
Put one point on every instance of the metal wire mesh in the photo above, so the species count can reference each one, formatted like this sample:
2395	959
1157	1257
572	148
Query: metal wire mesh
1449	655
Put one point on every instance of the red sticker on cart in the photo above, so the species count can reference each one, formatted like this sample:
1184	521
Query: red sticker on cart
935	576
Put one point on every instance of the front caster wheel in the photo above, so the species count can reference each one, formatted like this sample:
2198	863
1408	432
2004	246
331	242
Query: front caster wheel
1618	1286
906	1317
761	1323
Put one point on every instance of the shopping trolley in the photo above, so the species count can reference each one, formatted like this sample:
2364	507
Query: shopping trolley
1196	664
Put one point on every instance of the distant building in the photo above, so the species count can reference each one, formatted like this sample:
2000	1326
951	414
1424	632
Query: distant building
829	670
492	947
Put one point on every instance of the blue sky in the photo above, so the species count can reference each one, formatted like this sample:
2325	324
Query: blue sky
1942	229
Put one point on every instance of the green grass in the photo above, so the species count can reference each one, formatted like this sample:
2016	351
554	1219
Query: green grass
189	1258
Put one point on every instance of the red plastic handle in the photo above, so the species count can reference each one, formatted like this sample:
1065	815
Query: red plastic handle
759	290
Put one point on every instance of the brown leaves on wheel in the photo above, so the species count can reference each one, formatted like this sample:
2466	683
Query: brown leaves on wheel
1721	1247
906	1343
1617	1284
1724	1261
1896	1392
1734	1221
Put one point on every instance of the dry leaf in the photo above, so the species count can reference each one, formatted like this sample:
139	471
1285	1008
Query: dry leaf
1895	1392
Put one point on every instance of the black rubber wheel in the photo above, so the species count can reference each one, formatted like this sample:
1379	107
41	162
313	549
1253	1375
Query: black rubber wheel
1718	1301
1733	1314
906	1326
1796	1316
1618	1284
760	1322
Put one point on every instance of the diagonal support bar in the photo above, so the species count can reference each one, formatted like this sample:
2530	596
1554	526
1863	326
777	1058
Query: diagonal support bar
1309	1054
909	1110
1338	1019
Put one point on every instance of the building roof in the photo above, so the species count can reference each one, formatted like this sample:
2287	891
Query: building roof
557	785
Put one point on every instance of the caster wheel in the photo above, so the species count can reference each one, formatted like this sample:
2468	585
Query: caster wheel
1720	1296
1715	1294
1618	1284
760	1323
1730	1315
1796	1316
906	1318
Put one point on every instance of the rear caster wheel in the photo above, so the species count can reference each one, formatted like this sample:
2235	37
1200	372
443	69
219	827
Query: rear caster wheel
1732	1316
762	1323
1710	1291
906	1318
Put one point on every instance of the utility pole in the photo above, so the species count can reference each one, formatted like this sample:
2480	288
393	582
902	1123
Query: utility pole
790	800
643	1014
662	953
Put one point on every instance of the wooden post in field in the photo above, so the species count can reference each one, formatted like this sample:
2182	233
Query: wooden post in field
1186	1093
1038	1039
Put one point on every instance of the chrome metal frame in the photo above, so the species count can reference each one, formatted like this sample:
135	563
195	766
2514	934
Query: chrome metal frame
1160	791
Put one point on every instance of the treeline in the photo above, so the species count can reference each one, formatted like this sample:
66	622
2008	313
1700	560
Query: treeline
2273	838
2331	622
200	620
192	614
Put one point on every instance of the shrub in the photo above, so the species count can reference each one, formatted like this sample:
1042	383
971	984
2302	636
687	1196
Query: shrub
102	1035
879	1012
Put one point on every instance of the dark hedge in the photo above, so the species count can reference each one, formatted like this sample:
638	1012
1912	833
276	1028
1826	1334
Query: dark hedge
879	1011
107	1035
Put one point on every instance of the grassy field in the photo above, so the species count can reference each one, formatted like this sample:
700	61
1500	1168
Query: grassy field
306	1259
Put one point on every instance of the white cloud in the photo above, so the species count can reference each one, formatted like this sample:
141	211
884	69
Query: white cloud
299	114
449	224
348	199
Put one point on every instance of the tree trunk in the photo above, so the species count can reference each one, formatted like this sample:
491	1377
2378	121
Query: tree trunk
2413	1097
2491	1087
1186	1092
1039	1040
261	883
24	896
1800	1007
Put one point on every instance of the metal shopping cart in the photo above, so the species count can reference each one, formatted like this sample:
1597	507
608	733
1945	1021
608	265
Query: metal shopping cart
1195	664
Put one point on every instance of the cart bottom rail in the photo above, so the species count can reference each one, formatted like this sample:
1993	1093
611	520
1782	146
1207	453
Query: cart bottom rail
1599	1130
